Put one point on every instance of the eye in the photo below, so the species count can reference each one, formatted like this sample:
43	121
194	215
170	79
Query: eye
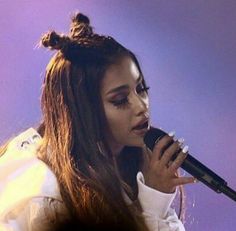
142	89
122	102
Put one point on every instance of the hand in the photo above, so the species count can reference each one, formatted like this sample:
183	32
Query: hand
160	172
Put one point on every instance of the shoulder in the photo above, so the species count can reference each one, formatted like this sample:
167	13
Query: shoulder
22	175
38	214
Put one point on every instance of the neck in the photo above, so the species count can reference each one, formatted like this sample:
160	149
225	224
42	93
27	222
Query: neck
116	149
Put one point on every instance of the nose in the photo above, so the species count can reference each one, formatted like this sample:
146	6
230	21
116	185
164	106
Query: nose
140	105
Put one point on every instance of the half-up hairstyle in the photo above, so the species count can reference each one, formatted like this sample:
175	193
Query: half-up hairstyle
74	128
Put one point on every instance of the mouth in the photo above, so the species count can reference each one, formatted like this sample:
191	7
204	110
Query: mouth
141	128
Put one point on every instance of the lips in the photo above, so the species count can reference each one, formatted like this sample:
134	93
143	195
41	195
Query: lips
141	128
141	125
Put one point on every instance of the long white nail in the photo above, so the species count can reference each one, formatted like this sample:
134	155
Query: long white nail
185	149
171	134
181	140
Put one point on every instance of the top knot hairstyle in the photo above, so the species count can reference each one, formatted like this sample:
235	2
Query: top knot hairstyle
81	41
80	26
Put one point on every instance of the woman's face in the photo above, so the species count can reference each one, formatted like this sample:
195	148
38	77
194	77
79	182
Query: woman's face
126	104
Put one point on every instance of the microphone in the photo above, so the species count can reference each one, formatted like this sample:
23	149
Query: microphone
193	166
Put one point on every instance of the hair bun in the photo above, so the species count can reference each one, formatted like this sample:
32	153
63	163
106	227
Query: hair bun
80	27
80	18
55	41
50	39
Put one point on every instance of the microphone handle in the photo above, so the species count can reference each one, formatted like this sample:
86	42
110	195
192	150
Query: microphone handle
194	167
203	174
208	177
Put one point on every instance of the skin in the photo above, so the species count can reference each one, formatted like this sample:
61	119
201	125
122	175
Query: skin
126	106
126	103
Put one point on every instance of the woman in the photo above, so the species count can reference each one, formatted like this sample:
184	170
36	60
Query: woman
87	165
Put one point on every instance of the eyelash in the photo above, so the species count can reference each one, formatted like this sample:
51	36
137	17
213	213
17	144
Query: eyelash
124	101
143	89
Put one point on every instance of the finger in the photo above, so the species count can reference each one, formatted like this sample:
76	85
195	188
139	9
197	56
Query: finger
160	146
184	180
169	153
181	141
179	160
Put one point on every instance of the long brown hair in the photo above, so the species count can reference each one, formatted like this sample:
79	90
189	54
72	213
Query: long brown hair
74	127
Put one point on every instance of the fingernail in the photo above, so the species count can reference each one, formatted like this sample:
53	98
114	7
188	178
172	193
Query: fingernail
171	134
185	149
195	180
181	140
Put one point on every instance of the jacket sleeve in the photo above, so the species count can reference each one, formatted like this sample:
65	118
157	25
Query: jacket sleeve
30	199
158	214
38	214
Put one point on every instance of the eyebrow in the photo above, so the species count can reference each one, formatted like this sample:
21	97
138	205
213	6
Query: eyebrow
122	87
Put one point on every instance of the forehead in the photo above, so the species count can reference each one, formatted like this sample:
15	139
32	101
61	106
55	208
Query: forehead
124	72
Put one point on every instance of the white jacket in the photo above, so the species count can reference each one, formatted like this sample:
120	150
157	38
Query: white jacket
30	199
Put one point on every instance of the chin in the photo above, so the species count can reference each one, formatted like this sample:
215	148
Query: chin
137	142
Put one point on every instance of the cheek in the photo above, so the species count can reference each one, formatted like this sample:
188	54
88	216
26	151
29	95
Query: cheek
114	118
118	120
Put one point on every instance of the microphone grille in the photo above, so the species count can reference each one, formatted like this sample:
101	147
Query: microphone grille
152	136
